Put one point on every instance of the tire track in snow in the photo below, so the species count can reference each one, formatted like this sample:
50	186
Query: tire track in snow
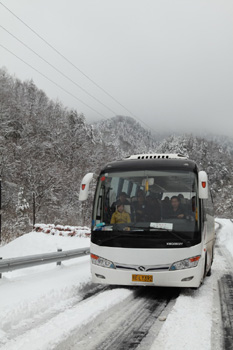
70	300
125	325
53	331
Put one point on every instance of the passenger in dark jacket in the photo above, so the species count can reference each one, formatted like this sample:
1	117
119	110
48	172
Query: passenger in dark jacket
139	207
176	210
152	210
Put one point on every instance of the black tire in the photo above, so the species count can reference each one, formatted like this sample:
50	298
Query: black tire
205	272
209	273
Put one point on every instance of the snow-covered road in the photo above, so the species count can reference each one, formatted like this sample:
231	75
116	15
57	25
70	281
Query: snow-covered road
57	307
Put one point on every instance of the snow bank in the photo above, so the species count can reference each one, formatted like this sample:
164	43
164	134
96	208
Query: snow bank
41	306
225	236
27	295
188	326
77	231
64	324
46	239
39	243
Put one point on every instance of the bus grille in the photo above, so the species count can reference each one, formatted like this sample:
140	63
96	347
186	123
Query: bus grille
142	268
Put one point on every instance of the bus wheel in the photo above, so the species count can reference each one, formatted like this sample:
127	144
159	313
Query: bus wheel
212	258
205	272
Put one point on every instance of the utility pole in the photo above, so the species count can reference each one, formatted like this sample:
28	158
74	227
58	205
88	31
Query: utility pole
0	209
1	196
34	209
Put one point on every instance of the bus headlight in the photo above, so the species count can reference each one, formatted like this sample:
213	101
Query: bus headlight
97	260
186	263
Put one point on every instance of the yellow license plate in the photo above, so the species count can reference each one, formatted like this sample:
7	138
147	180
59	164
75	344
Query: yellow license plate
142	278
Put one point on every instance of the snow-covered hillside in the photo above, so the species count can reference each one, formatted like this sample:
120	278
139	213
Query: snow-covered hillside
126	136
46	149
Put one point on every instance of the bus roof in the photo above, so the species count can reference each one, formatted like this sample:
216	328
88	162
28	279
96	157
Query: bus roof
152	162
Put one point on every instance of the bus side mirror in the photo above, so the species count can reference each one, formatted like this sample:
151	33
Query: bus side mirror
84	187
203	185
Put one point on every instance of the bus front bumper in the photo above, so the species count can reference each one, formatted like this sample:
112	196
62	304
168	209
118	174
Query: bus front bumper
191	277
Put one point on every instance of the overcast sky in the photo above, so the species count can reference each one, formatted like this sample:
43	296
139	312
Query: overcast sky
169	62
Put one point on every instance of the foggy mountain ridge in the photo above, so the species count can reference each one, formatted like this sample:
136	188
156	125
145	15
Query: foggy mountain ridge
126	135
46	149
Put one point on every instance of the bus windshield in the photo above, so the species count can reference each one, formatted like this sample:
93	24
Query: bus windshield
160	204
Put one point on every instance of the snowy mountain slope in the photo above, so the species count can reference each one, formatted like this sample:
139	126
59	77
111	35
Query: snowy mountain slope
125	135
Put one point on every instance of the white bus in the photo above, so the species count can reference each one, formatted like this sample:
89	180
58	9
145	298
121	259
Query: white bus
152	222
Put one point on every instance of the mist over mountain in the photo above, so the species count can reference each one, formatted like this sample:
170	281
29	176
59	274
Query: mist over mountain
46	149
126	135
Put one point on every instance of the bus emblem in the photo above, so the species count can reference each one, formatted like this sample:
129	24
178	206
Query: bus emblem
141	268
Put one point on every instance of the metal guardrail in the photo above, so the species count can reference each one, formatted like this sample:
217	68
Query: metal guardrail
11	264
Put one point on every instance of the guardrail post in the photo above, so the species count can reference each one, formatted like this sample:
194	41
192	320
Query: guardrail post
59	250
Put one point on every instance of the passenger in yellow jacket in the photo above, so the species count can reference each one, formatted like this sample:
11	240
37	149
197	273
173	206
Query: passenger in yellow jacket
120	216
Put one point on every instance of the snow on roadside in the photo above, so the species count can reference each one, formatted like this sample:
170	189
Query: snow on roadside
43	305
71	231
31	293
64	324
46	239
188	326
225	236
